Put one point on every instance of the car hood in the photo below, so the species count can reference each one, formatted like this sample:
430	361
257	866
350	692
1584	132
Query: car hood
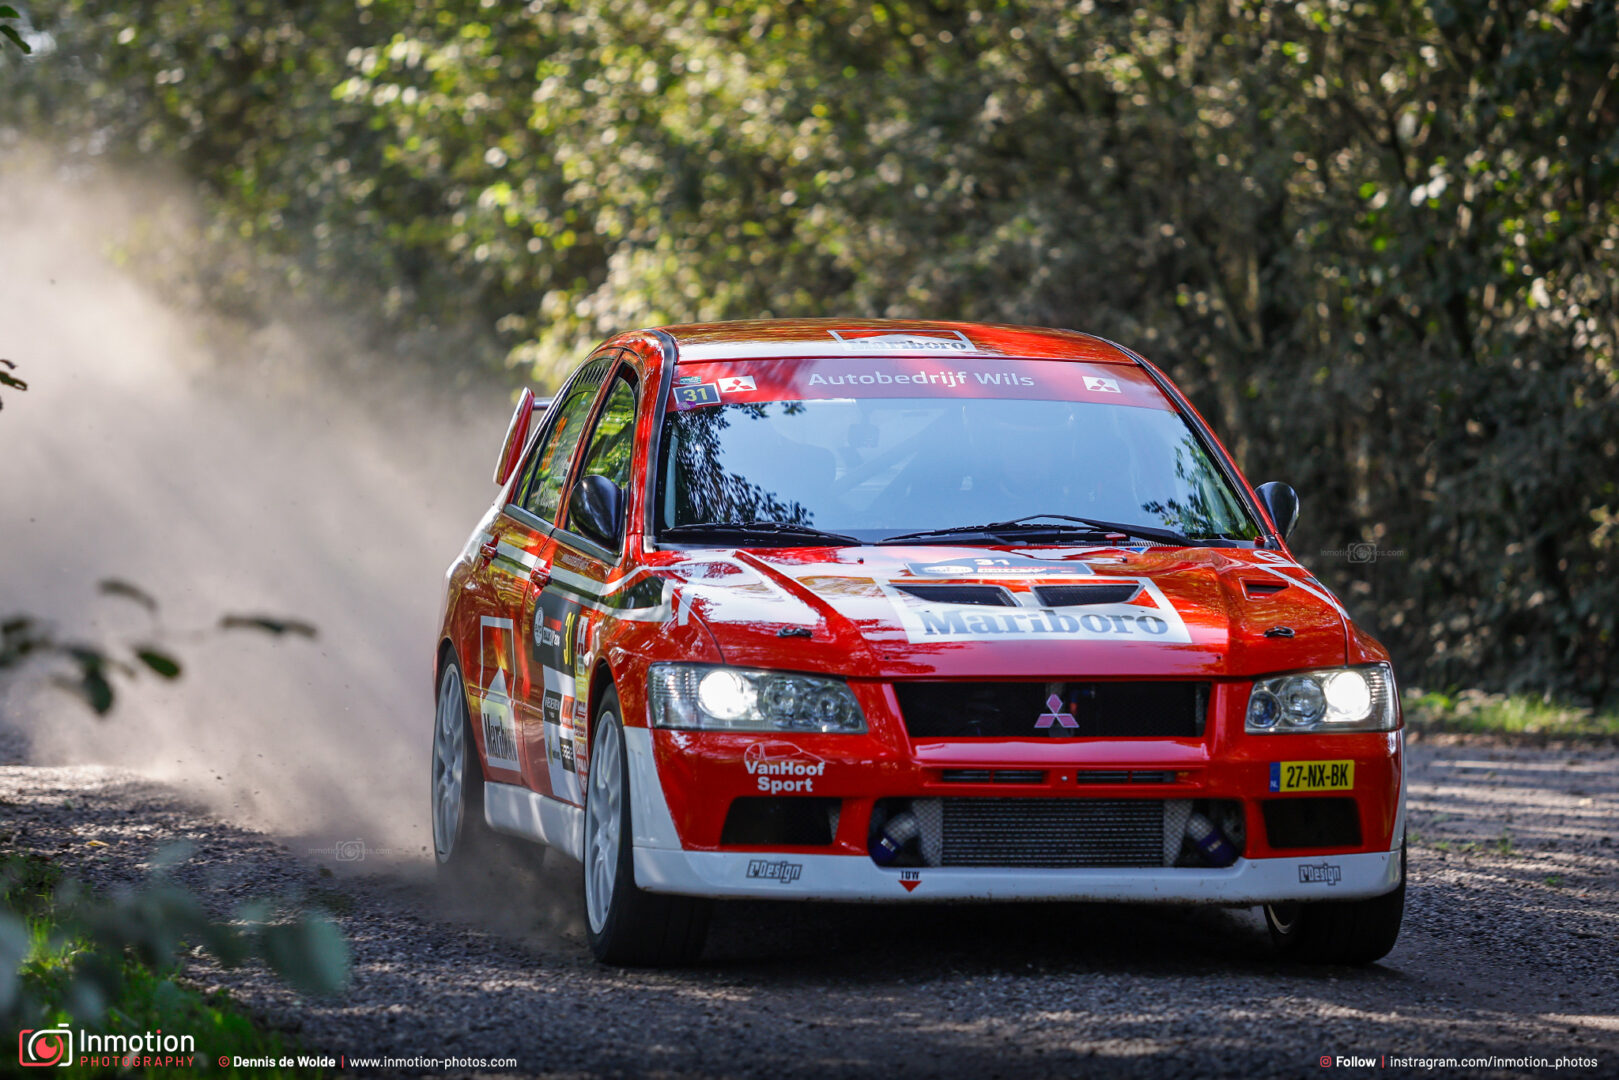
927	610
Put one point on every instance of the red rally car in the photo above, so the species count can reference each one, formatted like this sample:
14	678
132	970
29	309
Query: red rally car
908	612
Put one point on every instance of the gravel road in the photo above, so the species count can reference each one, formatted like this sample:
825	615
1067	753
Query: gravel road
1509	949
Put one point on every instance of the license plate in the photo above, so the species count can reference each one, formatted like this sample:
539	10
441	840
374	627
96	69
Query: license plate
1312	775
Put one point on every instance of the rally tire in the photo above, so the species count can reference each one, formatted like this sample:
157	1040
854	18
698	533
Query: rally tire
627	926
1339	932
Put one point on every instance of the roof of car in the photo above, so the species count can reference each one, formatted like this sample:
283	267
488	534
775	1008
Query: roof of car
765	338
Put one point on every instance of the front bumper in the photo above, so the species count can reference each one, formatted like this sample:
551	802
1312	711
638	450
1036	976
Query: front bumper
664	863
854	877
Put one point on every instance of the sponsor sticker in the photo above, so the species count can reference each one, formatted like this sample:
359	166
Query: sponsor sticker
939	341
691	397
1320	874
989	566
495	710
783	872
1312	775
782	767
910	879
947	380
915	365
558	632
1150	617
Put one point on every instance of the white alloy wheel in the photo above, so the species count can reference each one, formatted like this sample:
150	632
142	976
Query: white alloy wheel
449	762
603	820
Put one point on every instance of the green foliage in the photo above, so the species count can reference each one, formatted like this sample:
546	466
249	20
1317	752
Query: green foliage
1478	712
66	956
9	380
9	32
277	625
1378	242
92	666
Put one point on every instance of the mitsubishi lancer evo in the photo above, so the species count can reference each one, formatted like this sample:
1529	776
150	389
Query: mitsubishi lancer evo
906	612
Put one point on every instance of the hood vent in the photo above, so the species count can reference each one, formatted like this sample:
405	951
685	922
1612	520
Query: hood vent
986	595
1259	589
1075	595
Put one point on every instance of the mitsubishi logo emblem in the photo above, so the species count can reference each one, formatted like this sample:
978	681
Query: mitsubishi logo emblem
1054	703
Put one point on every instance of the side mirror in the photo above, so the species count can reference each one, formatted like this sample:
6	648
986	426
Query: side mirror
516	437
1282	503
596	510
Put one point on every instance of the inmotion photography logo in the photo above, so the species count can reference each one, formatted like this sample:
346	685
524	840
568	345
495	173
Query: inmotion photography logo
1362	552
43	1047
354	851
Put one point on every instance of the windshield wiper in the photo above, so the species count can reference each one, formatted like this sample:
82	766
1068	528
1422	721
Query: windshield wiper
785	530
1024	526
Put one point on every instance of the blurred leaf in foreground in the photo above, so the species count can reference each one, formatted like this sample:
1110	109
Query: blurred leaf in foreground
119	587
9	32
160	662
267	624
6	378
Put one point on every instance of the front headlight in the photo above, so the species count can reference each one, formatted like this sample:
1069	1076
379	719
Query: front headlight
1331	699
705	698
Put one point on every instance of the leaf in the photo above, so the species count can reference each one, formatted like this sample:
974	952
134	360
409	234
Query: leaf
268	625
92	686
5	379
16	38
161	663
92	658
14	946
310	954
171	855
8	12
121	588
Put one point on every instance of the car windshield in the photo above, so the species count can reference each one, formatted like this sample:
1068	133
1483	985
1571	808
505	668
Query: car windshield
874	460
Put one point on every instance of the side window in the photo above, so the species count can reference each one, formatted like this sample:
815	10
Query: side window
613	442
541	490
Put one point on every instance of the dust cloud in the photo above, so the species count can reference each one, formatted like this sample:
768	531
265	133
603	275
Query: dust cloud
225	470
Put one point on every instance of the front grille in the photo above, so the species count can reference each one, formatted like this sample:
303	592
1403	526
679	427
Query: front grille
1102	776
1122	776
998	710
1019	776
1050	833
992	776
966	776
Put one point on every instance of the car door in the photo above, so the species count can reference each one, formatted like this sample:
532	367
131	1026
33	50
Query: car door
567	614
518	563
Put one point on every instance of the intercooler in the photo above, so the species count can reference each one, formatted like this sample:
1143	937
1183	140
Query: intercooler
1050	833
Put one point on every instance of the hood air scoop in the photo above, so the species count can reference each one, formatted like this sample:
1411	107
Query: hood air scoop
1075	595
986	595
